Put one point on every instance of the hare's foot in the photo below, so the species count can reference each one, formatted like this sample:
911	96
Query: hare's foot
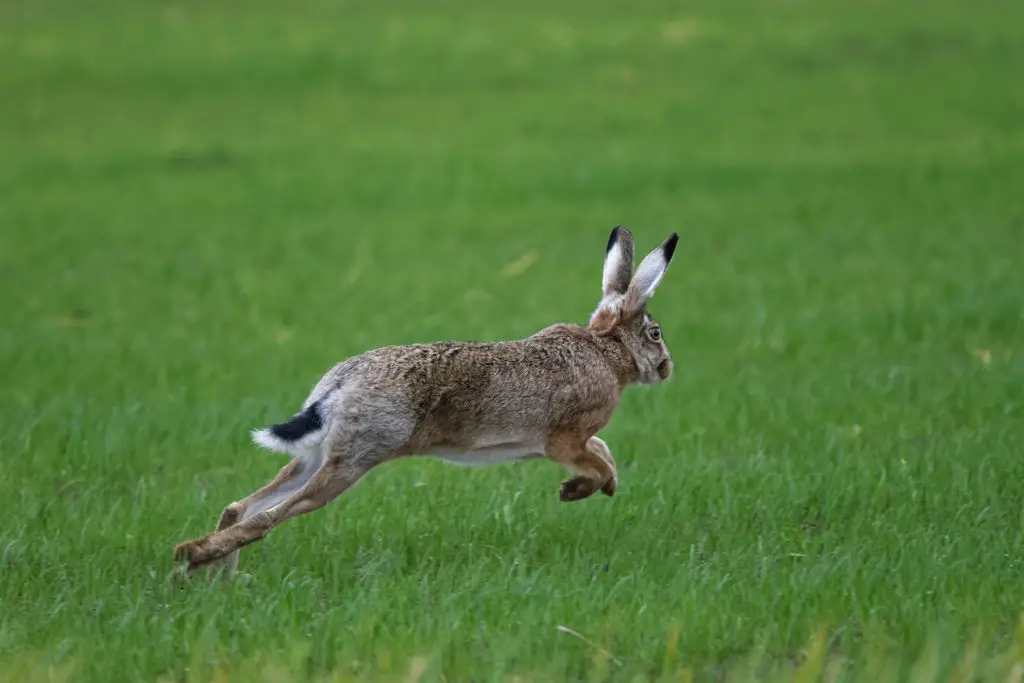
189	551
577	488
610	486
592	463
200	551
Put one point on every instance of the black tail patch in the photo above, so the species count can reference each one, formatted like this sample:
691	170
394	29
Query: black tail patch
307	421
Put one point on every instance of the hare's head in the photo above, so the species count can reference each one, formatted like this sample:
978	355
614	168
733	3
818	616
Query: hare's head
622	313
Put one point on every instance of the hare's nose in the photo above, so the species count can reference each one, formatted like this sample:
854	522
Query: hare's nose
665	368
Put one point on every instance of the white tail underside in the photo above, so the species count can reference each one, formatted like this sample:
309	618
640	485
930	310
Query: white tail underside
266	439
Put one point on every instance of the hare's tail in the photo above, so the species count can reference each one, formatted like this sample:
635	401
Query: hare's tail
296	435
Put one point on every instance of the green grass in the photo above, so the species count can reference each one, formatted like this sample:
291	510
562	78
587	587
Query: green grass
205	205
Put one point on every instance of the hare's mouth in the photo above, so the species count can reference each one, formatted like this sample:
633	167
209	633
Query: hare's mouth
665	368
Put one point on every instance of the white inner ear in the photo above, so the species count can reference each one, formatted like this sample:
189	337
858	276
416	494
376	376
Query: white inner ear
649	274
614	261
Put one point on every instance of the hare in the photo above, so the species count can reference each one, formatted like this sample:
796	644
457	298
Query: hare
472	403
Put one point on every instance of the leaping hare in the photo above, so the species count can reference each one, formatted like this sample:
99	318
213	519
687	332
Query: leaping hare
468	403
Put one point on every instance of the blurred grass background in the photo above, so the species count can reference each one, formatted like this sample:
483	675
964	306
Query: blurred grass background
205	205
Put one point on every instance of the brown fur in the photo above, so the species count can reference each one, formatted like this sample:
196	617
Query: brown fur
544	396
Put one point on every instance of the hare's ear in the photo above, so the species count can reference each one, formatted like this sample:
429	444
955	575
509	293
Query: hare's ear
618	262
648	275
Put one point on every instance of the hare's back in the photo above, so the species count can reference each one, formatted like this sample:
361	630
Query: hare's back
467	396
511	395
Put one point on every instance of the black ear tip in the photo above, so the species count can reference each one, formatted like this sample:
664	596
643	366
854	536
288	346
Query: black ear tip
670	246
614	237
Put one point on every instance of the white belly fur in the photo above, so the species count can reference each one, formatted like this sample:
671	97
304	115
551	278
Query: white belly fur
489	455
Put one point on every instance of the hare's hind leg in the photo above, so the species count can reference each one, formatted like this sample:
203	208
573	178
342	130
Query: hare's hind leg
592	461
291	477
349	454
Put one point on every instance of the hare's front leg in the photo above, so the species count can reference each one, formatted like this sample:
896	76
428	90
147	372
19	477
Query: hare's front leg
593	462
598	446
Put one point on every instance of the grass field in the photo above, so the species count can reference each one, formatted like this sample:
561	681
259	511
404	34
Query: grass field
205	205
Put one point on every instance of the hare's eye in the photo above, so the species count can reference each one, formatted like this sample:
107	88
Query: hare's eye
654	332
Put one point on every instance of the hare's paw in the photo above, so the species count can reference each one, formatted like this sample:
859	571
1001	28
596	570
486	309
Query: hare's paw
196	552
610	486
185	552
577	488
